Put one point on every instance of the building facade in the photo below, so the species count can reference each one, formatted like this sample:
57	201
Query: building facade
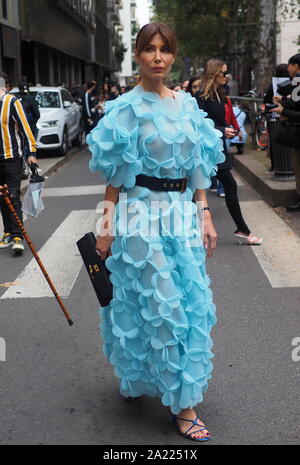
64	41
129	32
10	60
55	41
288	39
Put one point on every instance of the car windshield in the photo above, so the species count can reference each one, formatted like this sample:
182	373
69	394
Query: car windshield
47	99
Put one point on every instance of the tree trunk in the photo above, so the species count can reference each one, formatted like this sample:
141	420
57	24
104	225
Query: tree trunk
250	33
266	55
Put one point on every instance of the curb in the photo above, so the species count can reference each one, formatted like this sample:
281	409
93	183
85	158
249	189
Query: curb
276	193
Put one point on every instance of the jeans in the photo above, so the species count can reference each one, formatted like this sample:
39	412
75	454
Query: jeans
231	199
215	184
11	173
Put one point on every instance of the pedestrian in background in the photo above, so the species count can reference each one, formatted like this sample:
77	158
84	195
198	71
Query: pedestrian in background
107	91
14	125
9	87
157	327
30	106
212	100
177	87
289	110
87	106
241	138
185	85
194	85
115	91
273	123
98	109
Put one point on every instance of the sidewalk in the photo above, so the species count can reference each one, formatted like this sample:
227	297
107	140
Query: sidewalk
252	167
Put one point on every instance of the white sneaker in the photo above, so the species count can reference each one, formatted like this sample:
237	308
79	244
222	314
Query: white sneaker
18	247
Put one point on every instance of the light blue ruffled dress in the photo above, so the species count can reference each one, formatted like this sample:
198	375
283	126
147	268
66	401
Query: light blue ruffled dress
156	329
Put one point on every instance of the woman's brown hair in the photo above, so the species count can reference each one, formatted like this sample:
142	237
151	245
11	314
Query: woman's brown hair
211	70
149	30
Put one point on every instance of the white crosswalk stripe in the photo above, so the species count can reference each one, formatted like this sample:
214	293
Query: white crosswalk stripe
278	256
73	190
60	257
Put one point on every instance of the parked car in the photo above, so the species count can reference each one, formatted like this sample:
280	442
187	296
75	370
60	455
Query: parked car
60	123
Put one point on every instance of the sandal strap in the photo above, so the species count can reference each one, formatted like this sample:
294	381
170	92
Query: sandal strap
191	427
194	432
195	423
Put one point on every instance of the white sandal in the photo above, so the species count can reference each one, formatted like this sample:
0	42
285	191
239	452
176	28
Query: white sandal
251	239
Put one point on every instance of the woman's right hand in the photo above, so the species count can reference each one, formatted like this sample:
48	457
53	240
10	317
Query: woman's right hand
103	246
229	133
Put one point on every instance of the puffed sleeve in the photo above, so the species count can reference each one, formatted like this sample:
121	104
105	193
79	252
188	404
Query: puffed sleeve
208	150
113	144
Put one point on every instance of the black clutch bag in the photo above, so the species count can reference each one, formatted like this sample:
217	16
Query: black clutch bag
96	268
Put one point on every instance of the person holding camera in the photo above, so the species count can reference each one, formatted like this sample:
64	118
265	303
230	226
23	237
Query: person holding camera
212	100
289	110
273	122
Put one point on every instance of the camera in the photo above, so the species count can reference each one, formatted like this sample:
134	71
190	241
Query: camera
285	88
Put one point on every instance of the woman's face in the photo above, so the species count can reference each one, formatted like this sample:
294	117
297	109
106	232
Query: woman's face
220	79
196	86
156	59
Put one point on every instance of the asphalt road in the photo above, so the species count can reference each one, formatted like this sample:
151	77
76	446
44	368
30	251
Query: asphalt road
57	388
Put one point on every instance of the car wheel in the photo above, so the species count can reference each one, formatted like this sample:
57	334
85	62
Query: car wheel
80	139
65	143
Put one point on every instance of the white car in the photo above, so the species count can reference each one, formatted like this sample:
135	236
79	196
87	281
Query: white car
60	122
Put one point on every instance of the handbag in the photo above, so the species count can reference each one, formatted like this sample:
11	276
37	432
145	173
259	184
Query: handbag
289	134
98	273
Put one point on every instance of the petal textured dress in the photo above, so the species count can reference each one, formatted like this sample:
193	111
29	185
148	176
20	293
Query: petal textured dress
156	329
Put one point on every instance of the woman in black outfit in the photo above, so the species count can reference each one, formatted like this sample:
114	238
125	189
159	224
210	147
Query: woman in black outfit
211	99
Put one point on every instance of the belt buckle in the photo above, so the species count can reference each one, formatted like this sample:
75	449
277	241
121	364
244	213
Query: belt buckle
184	184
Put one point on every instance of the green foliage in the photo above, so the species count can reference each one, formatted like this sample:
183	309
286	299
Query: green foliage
119	52
227	28
211	27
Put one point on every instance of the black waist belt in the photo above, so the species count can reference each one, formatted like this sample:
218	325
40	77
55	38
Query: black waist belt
161	184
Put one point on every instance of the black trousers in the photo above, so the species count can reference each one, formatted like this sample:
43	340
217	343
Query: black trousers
232	201
11	174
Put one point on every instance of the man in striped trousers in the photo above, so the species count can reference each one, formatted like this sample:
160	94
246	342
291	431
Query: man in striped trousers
13	126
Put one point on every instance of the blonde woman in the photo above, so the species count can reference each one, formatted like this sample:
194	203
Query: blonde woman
154	145
211	99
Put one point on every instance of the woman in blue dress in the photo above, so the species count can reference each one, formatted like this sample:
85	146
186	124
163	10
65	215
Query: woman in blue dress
157	152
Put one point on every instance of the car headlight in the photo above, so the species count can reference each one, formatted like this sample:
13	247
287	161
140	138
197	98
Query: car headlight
49	124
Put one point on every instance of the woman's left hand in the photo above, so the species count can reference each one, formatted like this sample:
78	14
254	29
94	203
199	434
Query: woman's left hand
210	235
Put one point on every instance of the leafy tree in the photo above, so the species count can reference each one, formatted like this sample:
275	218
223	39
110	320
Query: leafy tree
243	32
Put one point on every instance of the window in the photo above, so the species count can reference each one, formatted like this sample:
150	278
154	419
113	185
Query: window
47	99
4	9
66	97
